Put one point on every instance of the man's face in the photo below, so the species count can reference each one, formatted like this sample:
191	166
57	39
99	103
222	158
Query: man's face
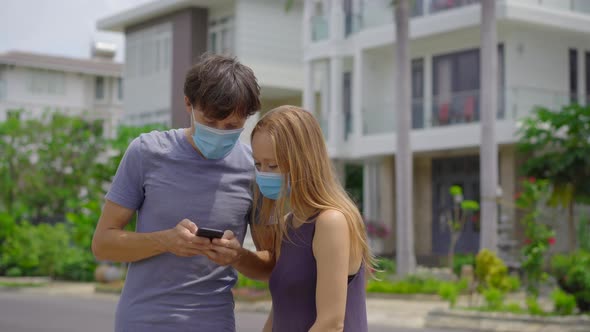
233	121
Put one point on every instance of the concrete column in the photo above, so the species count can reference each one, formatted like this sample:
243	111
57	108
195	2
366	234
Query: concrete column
336	20
340	169
357	95
387	200
308	86
489	108
308	8
335	117
581	77
406	259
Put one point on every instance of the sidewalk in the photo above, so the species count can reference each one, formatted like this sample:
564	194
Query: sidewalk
387	312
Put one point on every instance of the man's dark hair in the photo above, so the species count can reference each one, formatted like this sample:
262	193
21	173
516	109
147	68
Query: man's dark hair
221	86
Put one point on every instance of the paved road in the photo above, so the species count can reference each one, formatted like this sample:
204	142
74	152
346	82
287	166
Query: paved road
21	312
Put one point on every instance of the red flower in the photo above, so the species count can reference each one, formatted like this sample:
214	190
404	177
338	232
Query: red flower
532	179
517	195
551	241
527	241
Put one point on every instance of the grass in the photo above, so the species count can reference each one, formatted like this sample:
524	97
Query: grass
113	287
12	284
411	285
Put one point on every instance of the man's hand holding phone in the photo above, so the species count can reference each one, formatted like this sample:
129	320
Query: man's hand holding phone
181	240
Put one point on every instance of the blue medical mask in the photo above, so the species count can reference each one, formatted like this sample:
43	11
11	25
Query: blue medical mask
270	184
214	143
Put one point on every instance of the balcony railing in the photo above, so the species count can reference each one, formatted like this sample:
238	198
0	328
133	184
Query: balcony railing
378	119
521	101
580	6
452	109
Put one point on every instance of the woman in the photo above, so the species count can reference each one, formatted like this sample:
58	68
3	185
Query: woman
318	283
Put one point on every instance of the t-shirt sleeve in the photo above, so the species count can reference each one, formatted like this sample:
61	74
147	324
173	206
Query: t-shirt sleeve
127	187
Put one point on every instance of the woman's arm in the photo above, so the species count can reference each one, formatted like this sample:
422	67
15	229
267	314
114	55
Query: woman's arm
331	248
268	324
258	265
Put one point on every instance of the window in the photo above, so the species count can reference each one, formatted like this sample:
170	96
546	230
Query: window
212	41
2	86
573	68
13	115
99	88
417	93
46	82
221	36
120	88
456	85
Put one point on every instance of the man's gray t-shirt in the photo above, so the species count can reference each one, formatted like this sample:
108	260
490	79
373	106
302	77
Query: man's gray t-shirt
166	180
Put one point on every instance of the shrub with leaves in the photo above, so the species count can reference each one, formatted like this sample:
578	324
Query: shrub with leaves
491	272
564	304
556	147
539	236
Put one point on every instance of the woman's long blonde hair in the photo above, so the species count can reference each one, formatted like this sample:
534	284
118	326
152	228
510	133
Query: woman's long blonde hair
302	157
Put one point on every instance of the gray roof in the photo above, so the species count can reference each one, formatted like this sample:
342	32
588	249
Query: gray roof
89	66
120	21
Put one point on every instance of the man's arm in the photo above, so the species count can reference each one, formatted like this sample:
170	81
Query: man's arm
112	243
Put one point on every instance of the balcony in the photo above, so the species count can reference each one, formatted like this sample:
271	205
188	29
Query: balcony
460	108
579	6
375	13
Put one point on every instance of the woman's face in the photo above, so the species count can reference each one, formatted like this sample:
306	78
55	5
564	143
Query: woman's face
263	153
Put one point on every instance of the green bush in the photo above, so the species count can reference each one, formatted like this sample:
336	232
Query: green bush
22	249
513	308
494	298
534	307
411	285
46	250
573	276
460	260
14	272
385	265
564	303
244	282
449	292
491	272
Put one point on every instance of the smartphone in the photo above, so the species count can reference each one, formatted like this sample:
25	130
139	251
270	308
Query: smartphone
209	233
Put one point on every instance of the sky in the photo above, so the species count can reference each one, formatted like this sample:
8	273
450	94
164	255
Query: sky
58	27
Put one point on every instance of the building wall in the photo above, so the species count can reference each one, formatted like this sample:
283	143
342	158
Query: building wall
148	74
269	40
36	91
423	205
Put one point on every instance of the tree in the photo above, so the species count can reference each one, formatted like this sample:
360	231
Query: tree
557	148
457	218
46	163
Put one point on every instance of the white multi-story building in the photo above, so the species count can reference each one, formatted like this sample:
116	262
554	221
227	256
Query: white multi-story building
164	38
544	59
31	84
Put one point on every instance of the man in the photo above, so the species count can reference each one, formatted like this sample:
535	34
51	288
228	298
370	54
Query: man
178	181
